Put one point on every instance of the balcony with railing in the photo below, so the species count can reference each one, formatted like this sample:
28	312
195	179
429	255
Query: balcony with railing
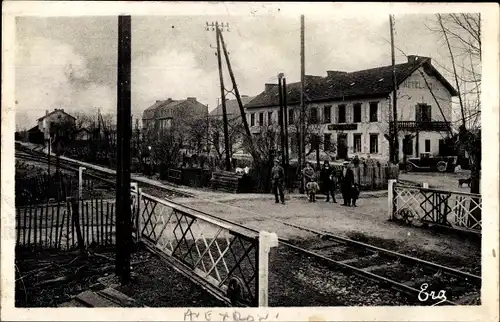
422	125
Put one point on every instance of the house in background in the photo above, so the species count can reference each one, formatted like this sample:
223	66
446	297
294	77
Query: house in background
83	135
232	108
234	120
354	109
40	132
58	116
174	115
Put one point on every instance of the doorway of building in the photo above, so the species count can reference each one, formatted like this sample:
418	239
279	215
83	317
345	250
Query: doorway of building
341	146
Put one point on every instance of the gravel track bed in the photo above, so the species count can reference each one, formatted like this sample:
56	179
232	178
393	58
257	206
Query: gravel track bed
305	282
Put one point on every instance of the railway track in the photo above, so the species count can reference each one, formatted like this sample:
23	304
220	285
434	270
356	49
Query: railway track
421	280
98	173
424	282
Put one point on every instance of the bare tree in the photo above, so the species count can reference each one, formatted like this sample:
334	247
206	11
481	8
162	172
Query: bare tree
461	36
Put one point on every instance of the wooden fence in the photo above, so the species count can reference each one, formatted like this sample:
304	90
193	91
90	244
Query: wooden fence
43	187
57	225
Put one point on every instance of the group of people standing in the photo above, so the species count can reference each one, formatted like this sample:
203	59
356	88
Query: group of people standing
329	177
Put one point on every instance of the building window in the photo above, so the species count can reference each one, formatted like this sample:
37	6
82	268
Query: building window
423	113
357	142
314	115
291	115
427	145
252	119
341	116
269	118
315	141
373	111
408	145
374	143
261	119
357	113
327	138
327	114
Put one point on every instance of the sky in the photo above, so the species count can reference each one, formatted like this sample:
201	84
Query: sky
70	62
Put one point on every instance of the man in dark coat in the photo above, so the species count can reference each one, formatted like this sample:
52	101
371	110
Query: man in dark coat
346	183
277	180
328	181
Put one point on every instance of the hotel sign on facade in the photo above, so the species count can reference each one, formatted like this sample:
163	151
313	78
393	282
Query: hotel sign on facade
417	84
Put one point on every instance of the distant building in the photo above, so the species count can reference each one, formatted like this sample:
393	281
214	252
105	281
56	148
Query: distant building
232	108
234	119
169	114
177	115
354	109
83	135
58	116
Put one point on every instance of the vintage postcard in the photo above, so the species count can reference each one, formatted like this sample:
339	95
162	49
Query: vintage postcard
223	161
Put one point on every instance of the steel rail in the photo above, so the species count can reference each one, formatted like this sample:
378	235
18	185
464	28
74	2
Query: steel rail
437	267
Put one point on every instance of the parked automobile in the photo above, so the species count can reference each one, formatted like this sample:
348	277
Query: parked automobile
426	162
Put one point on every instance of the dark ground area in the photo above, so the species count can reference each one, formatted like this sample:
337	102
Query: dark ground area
50	279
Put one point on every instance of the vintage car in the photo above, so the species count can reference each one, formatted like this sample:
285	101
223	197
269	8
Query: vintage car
426	162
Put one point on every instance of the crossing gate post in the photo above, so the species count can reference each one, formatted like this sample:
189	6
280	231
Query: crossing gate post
390	198
425	185
266	242
80	182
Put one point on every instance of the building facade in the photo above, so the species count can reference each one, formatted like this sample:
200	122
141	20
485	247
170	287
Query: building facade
58	116
351	113
216	126
184	119
172	114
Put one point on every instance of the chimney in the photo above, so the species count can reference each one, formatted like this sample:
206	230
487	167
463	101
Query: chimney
191	99
330	73
269	86
62	109
158	101
46	112
415	58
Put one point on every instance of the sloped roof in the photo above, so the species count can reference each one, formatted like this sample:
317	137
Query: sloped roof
55	111
364	83
232	107
165	108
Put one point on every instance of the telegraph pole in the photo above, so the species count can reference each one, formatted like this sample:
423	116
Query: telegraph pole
222	93
285	120
238	97
124	129
281	121
302	105
395	139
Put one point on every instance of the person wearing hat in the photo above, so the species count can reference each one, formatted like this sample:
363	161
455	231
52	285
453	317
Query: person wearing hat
277	180
327	177
346	183
308	173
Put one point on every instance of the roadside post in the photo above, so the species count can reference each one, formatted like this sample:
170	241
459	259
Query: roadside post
266	242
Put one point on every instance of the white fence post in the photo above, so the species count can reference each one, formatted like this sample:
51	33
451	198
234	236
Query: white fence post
425	185
80	182
266	241
390	197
